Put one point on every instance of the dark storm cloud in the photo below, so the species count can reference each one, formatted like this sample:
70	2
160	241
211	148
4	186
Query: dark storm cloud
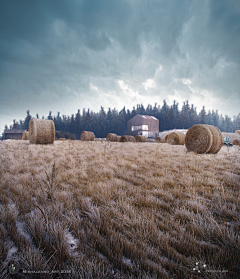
108	52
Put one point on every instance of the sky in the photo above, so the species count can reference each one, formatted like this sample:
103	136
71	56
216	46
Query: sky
63	55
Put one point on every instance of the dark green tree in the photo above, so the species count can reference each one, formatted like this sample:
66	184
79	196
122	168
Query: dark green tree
50	116
203	116
26	121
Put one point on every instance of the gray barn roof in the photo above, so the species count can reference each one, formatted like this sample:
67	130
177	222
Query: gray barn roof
14	131
147	116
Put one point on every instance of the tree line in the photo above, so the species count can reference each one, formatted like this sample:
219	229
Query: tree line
103	122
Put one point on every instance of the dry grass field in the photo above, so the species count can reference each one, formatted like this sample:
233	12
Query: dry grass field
77	209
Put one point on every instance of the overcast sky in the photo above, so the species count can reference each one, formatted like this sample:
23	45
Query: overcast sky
64	55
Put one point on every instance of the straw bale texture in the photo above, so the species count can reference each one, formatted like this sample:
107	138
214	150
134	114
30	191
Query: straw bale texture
127	138
159	140
111	137
25	135
140	138
41	131
87	136
202	138
176	138
236	142
217	139
165	140
199	139
237	132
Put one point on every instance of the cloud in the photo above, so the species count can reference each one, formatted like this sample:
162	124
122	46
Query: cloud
114	53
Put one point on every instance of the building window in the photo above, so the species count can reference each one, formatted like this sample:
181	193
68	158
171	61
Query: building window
141	127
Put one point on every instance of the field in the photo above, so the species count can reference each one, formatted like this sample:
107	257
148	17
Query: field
118	210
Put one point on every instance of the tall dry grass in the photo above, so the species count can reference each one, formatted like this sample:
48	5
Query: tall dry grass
118	210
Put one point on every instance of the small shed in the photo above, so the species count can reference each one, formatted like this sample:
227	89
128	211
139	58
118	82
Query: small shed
13	134
144	125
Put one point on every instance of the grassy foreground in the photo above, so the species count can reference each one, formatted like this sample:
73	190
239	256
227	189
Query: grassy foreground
118	210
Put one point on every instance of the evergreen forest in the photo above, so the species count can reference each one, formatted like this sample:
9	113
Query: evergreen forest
103	122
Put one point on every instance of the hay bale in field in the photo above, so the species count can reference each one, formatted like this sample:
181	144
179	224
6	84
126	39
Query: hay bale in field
41	131
202	138
25	135
111	137
237	132
165	139
236	142
217	140
176	138
140	138
159	140
87	136
127	138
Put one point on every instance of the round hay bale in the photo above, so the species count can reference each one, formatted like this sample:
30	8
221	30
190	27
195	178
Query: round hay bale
237	132
25	135
176	138
165	139
236	142
87	136
140	138
41	131
127	138
159	140
217	139
111	137
199	139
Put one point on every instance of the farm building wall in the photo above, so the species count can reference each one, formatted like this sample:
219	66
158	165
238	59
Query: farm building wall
14	134
145	125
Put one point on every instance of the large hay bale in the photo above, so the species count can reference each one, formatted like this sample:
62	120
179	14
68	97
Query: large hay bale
140	138
217	140
41	131
127	138
237	132
111	137
159	140
236	142
25	135
87	136
202	138
176	138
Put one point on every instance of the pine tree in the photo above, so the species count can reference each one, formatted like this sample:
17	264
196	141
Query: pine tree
193	115
72	125
227	124
26	121
214	119
203	116
163	119
209	118
78	126
185	116
238	125
50	116
88	121
15	124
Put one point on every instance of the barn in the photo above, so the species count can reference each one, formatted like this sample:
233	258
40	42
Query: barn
13	134
145	125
